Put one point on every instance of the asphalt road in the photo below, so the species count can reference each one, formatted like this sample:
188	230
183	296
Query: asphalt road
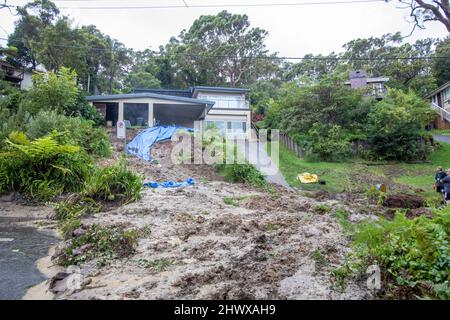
442	138
20	248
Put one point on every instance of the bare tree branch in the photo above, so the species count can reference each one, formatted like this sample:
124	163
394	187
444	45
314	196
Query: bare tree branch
428	10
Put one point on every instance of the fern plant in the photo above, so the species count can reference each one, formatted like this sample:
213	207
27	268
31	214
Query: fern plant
414	254
43	168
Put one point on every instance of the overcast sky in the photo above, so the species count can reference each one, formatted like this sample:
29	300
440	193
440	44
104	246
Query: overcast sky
293	30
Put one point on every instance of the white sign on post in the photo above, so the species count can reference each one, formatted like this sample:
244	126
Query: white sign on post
121	130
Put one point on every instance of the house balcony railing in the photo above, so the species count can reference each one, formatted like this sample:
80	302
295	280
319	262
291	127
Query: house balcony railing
230	104
444	114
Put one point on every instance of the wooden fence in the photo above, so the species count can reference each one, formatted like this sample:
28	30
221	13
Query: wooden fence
291	145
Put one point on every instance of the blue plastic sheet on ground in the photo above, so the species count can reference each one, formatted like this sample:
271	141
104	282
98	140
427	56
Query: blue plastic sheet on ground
170	184
141	145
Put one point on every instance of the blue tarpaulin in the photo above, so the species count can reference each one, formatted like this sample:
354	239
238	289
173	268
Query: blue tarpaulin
170	184
141	145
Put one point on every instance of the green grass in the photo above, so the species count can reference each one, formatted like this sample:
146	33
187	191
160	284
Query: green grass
234	201
357	175
445	132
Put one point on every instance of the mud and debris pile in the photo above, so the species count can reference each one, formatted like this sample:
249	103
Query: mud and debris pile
261	246
162	168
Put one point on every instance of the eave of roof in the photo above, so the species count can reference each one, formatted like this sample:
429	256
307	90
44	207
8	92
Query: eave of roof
150	95
441	88
377	79
372	80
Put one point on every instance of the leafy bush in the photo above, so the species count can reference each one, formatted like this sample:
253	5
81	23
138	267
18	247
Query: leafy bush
330	103
59	92
114	184
102	243
328	143
414	254
43	168
244	173
396	127
75	130
108	186
53	91
11	121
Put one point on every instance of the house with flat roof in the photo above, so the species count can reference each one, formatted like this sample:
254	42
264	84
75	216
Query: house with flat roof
440	102
225	108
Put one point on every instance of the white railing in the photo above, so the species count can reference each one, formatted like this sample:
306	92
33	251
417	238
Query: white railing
441	111
231	104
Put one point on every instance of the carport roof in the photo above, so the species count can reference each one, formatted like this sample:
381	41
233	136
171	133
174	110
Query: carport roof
126	96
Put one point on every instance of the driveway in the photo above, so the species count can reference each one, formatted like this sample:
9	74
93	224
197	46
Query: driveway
256	155
442	138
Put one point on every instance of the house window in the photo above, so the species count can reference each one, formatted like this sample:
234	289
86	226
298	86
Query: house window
378	88
447	97
230	128
220	125
236	128
434	99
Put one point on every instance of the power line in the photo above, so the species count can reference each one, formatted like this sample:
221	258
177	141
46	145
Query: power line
257	57
224	5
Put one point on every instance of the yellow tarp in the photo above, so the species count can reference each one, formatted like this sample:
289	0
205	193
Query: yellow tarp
306	177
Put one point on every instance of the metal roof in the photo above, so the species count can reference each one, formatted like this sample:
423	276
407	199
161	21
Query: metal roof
126	96
441	88
170	92
218	89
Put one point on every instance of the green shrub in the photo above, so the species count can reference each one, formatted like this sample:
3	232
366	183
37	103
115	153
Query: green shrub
75	207
396	127
244	173
322	208
12	120
59	92
327	143
414	255
101	243
43	168
114	184
108	186
75	131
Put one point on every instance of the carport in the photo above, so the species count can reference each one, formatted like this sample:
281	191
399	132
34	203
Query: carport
149	109
174	114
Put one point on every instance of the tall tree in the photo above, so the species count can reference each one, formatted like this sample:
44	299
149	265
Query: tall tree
34	17
441	66
221	49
